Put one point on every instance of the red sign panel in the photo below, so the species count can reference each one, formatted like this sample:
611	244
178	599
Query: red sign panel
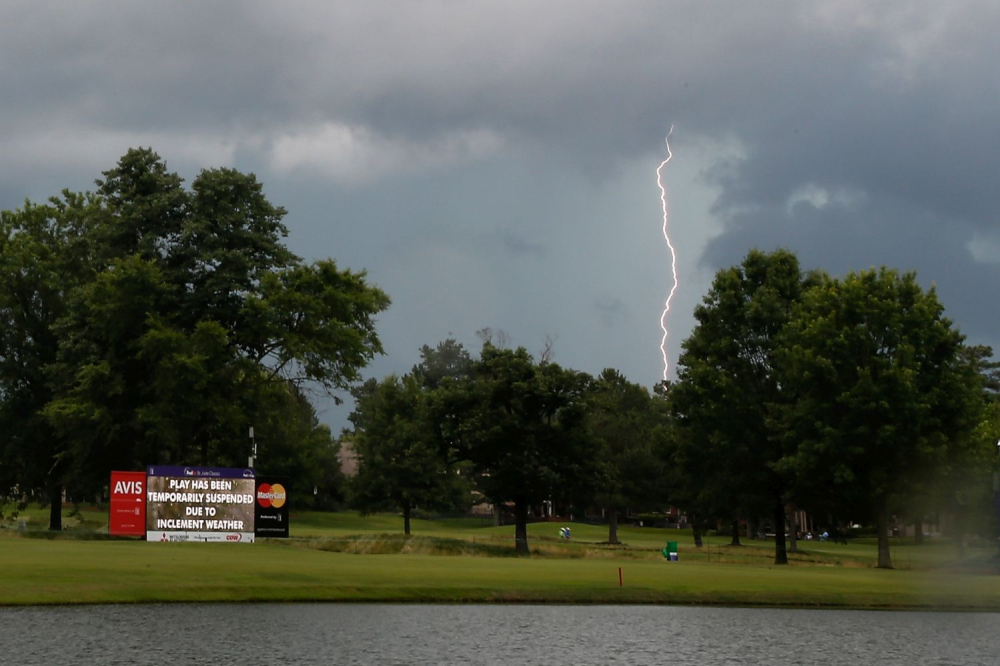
128	504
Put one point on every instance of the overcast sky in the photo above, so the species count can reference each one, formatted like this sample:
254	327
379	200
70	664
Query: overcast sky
493	163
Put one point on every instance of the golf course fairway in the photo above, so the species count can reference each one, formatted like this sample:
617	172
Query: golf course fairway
69	571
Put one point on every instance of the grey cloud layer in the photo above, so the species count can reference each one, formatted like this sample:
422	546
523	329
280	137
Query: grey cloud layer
422	138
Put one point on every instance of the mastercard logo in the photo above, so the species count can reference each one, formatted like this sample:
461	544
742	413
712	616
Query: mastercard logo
268	495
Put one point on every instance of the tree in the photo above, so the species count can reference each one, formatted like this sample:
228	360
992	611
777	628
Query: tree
448	362
726	385
625	420
44	255
169	320
522	425
399	462
292	443
962	488
702	476
443	374
882	394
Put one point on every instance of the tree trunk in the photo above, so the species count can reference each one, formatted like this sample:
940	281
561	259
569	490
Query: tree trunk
918	533
793	529
55	508
613	526
406	518
959	530
882	523
736	533
696	531
780	551
521	526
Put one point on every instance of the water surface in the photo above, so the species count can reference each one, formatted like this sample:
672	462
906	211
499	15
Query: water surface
291	634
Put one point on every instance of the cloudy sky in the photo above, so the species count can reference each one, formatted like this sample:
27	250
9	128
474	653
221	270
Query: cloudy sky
493	163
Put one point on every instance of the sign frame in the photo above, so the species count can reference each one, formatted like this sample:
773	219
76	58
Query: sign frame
127	505
206	504
271	507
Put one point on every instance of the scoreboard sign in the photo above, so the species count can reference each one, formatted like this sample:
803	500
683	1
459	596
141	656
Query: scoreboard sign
127	511
200	504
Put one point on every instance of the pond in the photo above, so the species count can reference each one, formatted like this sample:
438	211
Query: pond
507	635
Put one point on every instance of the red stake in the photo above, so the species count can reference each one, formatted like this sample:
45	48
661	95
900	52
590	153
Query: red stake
619	576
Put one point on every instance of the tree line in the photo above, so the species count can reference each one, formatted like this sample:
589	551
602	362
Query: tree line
850	398
150	323
512	430
147	323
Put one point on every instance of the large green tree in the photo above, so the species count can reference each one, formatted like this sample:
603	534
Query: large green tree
44	255
450	361
161	318
960	492
443	374
626	423
726	384
883	395
522	425
400	464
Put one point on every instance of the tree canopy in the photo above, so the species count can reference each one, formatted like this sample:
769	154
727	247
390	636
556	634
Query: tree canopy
628	425
147	323
400	464
522	426
727	383
883	392
150	323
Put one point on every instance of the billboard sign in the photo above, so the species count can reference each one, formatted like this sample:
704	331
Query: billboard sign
200	504
127	511
271	507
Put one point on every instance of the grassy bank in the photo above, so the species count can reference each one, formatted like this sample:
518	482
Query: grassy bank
341	557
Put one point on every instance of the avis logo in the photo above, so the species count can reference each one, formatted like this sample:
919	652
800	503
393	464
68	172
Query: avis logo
233	537
128	488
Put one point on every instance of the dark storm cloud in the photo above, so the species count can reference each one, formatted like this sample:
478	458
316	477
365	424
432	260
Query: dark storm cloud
612	311
477	158
517	245
133	66
896	155
843	237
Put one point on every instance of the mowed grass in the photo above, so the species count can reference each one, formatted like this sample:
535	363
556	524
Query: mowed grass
350	532
346	557
358	534
67	571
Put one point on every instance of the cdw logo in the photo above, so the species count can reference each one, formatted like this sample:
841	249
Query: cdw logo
233	537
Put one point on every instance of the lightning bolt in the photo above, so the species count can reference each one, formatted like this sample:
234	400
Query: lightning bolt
673	255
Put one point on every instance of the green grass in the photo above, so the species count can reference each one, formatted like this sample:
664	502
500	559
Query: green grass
38	571
344	557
